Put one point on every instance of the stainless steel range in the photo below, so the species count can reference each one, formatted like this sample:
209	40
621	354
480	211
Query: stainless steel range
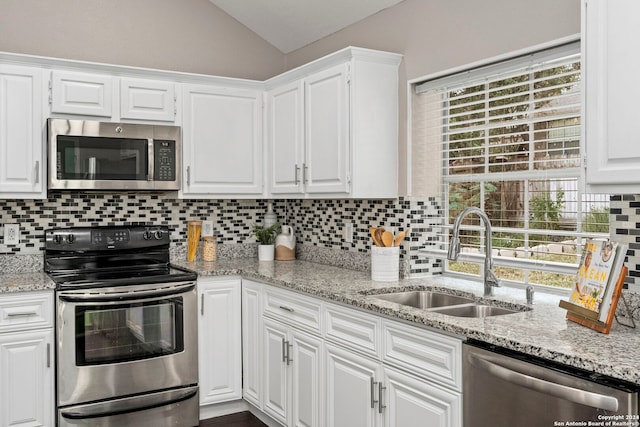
126	325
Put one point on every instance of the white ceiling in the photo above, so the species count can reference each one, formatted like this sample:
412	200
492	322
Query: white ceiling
291	24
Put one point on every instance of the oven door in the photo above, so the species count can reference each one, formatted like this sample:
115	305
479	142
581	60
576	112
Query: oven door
122	341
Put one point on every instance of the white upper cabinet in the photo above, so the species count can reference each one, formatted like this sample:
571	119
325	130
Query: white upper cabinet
286	133
143	99
610	38
333	127
82	94
21	133
327	131
222	142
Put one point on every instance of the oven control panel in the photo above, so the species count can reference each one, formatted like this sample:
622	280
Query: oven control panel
105	238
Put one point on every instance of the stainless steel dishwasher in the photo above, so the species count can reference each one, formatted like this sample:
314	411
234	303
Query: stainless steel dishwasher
505	388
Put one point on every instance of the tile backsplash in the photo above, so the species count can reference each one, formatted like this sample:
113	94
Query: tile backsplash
318	223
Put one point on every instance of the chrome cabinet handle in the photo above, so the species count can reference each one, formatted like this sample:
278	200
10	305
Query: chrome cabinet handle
22	314
48	355
583	397
290	310
305	168
380	405
373	392
295	174
188	175
202	304
289	359
37	171
284	350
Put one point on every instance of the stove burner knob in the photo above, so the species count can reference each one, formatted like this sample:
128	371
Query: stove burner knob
57	238
147	235
71	238
158	234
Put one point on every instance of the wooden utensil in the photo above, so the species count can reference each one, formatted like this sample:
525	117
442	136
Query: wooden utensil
372	231
378	238
400	237
387	239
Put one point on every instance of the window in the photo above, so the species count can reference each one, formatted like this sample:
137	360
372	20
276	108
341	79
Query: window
509	140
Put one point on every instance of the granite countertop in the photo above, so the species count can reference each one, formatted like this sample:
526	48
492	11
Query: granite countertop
542	331
25	282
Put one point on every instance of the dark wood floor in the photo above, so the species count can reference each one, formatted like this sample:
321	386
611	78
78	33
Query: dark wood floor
241	419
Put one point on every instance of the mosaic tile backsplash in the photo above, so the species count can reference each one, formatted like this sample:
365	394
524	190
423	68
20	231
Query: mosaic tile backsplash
318	223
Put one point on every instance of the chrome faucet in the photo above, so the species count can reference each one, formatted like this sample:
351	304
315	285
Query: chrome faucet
490	279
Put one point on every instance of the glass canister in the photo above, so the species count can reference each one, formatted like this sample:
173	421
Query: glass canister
209	248
194	228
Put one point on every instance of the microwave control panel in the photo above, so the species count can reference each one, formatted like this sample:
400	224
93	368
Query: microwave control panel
164	167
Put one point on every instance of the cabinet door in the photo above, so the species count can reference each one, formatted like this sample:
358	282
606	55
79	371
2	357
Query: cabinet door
305	365
327	131
222	141
21	135
81	93
276	376
286	138
252	342
351	389
610	35
147	100
219	337
406	399
26	378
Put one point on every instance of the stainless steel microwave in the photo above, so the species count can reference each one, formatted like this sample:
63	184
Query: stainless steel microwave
92	155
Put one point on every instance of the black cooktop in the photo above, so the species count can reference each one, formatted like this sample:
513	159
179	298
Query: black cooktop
110	256
106	278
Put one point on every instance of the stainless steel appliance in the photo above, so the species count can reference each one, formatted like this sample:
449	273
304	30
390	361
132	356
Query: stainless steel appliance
506	388
126	325
92	155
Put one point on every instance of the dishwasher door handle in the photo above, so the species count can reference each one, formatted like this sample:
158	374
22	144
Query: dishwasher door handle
571	394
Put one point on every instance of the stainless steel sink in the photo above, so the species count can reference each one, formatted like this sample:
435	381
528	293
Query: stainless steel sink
475	310
424	299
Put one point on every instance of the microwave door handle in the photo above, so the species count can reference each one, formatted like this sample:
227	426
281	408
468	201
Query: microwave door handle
150	156
575	395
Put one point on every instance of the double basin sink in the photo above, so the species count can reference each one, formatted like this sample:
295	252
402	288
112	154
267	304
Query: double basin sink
451	305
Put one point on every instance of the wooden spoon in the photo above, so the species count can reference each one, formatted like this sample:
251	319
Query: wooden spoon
387	239
372	231
400	237
378	238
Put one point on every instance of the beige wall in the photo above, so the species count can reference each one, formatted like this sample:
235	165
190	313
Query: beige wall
181	35
436	35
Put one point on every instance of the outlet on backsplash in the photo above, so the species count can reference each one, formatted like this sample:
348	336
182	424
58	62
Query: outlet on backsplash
11	234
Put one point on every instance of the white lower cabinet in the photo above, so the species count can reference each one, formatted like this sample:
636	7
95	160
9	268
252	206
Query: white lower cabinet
409	399
26	360
252	342
312	363
219	340
292	375
352	387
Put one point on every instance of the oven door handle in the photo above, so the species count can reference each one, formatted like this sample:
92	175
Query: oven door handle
128	405
571	394
126	296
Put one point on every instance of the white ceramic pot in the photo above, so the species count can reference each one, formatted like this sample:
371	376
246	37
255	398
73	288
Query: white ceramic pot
265	252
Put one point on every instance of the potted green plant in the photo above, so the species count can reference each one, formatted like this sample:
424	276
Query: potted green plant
266	237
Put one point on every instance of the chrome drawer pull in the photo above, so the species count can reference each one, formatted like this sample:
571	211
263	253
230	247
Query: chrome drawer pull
290	310
22	314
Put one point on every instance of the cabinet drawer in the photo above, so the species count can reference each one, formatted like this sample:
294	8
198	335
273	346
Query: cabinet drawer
353	329
294	309
26	311
423	353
